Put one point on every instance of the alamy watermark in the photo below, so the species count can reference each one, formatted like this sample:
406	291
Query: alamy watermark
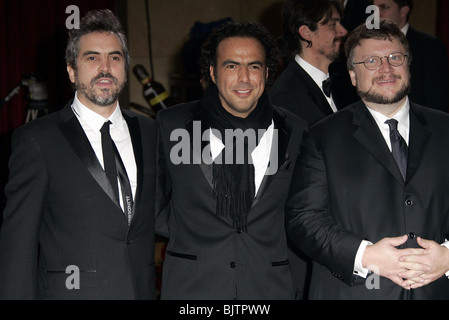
72	21
72	281
190	150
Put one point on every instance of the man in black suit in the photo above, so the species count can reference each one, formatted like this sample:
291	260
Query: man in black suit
314	34
68	231
224	170
430	75
369	200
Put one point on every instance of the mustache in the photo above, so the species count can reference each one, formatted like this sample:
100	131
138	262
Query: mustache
388	76
104	75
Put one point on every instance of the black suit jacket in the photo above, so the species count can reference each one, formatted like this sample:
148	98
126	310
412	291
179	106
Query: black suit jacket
61	212
429	70
348	188
296	91
207	258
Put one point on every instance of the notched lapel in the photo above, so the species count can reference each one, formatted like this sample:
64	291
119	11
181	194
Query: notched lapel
77	139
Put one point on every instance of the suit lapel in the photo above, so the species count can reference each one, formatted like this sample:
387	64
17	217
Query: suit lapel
417	141
195	132
314	91
74	133
368	135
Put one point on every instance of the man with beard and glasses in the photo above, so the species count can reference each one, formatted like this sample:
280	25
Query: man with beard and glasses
314	37
220	198
369	200
79	219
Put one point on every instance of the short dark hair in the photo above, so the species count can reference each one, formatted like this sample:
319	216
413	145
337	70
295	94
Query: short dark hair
234	29
387	30
297	13
95	21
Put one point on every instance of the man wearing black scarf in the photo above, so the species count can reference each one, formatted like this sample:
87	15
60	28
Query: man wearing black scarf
222	205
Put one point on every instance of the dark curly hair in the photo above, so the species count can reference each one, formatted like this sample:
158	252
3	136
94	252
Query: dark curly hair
233	29
95	21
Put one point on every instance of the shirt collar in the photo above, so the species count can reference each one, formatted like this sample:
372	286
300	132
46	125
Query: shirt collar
316	74
405	28
95	121
402	116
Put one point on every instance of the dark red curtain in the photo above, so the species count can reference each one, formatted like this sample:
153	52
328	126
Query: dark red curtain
33	36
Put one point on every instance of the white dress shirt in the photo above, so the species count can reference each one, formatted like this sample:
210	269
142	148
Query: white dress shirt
318	77
91	122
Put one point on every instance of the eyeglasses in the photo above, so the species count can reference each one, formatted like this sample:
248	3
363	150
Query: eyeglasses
374	63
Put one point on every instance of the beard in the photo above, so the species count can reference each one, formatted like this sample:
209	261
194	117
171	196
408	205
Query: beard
378	98
335	53
106	97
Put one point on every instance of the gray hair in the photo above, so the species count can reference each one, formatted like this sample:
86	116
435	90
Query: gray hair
95	21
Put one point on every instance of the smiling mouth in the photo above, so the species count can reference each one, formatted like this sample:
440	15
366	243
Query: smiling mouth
387	81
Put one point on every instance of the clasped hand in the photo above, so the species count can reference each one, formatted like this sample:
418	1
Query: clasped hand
409	268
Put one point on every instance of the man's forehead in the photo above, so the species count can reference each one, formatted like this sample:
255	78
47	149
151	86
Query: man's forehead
374	45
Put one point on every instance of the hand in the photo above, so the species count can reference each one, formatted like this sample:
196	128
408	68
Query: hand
435	256
383	259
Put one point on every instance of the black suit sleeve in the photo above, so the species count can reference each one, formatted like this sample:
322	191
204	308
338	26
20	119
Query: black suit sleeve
25	193
163	184
309	220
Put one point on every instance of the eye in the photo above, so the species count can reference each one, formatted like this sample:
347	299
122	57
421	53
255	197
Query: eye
371	60
116	58
91	58
254	67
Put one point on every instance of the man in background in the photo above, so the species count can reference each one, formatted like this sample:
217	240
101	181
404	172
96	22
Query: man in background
430	75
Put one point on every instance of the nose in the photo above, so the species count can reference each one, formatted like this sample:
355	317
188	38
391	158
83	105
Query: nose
244	75
105	66
341	31
385	66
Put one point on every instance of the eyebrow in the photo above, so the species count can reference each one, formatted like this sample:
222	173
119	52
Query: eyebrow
257	62
86	53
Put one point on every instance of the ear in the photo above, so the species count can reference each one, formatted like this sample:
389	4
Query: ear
305	32
404	12
353	77
211	72
71	73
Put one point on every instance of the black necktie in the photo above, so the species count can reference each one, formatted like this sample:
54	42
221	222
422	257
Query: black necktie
327	87
398	146
113	166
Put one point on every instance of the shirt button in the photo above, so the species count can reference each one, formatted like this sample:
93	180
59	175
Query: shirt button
412	235
232	264
408	202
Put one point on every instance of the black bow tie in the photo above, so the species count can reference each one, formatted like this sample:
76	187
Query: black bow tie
327	87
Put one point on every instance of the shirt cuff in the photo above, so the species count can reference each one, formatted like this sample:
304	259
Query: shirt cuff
446	244
359	270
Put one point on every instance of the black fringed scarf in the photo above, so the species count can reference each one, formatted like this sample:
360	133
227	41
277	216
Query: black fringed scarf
233	183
